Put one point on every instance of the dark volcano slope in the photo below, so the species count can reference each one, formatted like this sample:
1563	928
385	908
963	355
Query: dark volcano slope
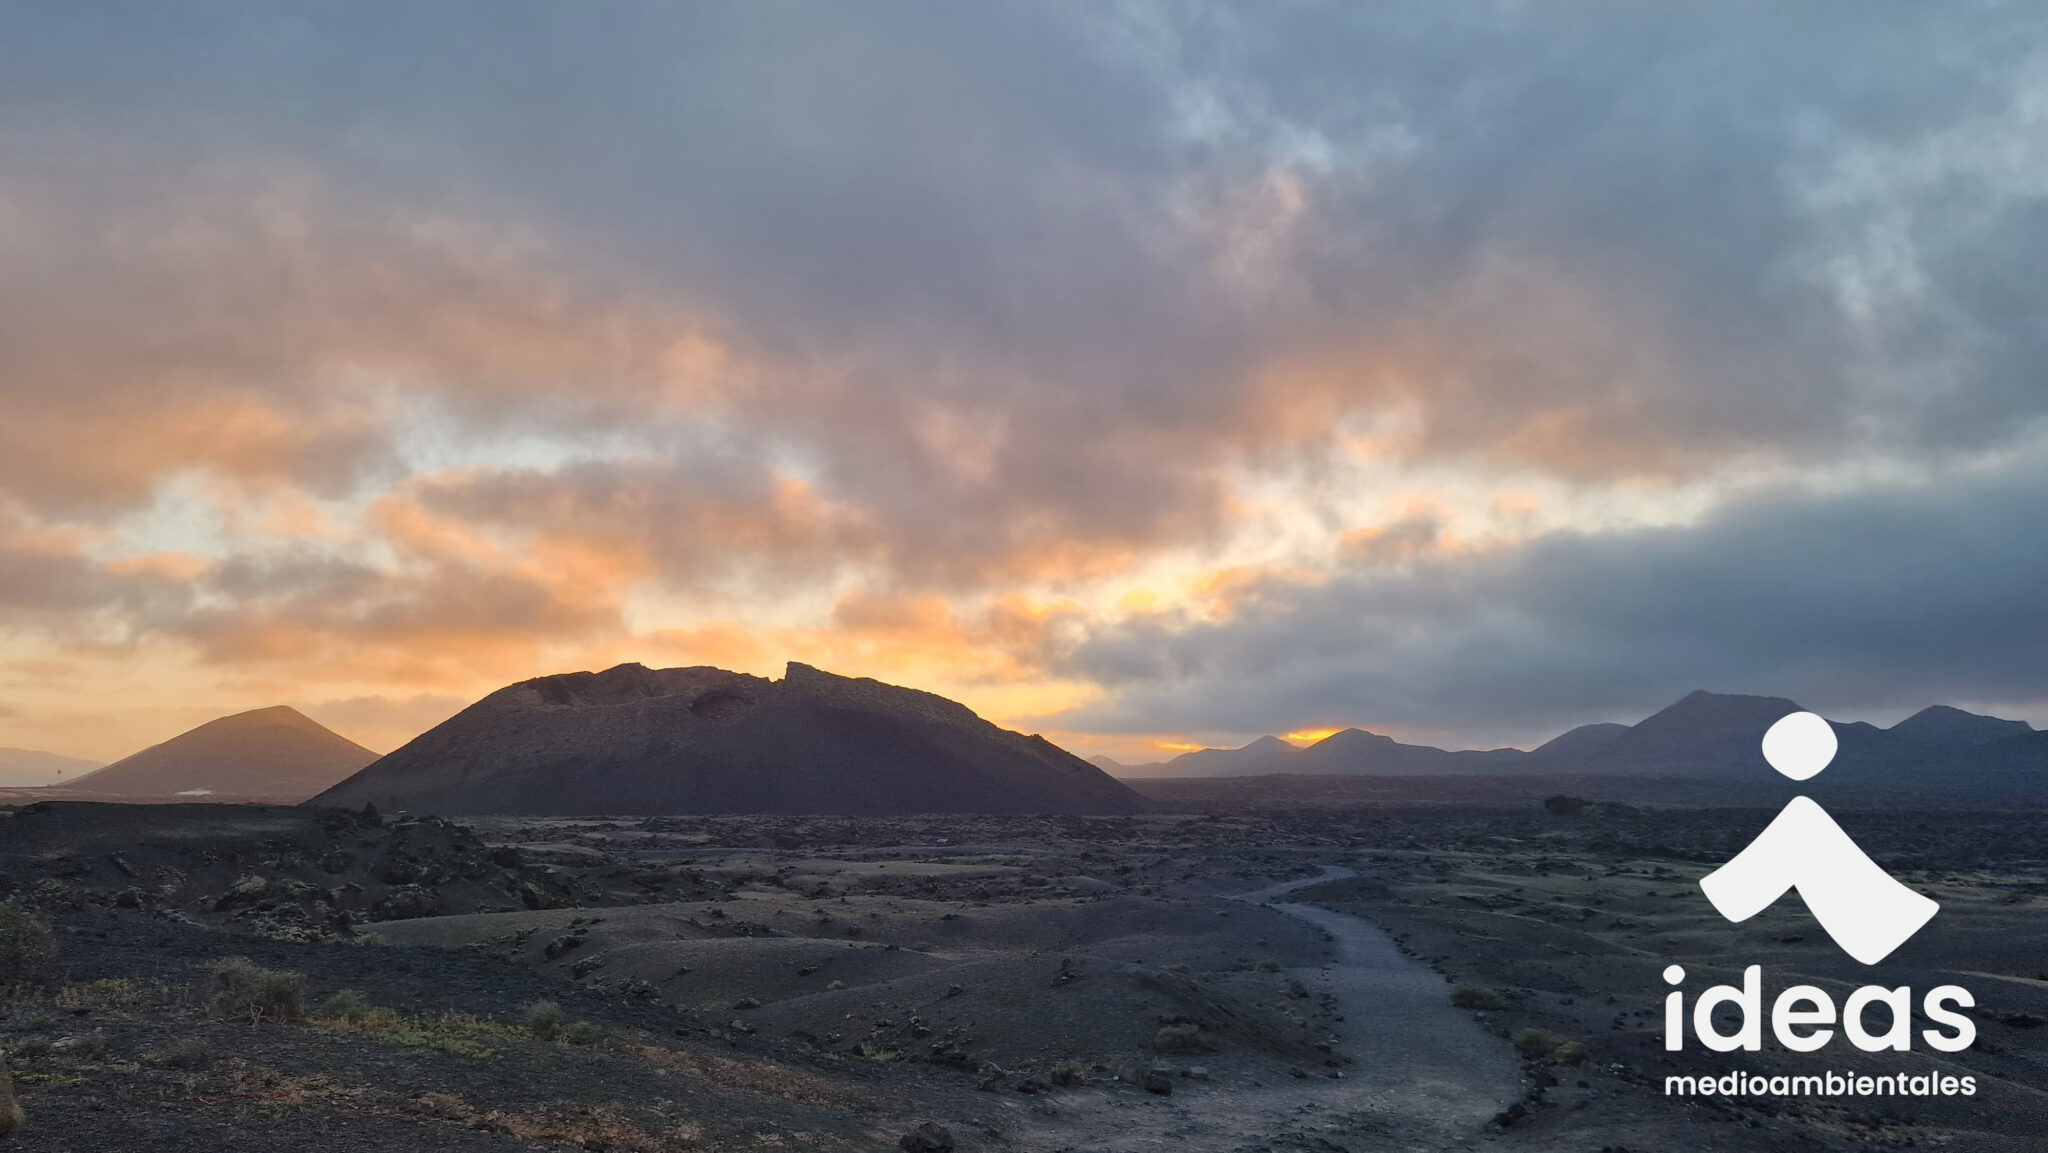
639	741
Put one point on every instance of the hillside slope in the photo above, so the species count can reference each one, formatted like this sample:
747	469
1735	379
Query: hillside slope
274	754
634	740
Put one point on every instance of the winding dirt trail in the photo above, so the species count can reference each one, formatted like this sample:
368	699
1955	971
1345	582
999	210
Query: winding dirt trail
1424	1076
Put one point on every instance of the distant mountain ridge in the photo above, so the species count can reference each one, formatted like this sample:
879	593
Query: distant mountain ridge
275	754
33	768
1701	735
638	741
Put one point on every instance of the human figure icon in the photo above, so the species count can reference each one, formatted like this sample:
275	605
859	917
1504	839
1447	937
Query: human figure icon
1861	906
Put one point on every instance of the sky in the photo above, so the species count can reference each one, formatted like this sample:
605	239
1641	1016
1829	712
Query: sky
1144	375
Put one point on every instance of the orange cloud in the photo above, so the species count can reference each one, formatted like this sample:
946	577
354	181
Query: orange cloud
1311	736
1417	534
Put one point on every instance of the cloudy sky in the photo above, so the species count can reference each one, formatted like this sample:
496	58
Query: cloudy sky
1147	375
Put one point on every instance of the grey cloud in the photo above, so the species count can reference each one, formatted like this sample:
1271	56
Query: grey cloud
1592	224
1010	283
1887	599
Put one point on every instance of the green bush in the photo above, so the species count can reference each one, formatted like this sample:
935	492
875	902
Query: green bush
244	991
544	1019
1475	997
1182	1038
1570	1053
582	1033
1534	1043
28	950
346	1005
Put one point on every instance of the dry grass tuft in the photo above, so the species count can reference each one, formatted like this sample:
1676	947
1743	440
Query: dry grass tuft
1182	1038
452	1033
115	993
595	1127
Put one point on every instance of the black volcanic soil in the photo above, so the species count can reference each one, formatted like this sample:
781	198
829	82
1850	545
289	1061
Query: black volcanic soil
704	740
830	983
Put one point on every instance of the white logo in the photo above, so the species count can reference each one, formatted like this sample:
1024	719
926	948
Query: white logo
1867	912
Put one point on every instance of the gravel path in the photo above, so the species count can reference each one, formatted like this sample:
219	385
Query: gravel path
1425	1067
1425	1077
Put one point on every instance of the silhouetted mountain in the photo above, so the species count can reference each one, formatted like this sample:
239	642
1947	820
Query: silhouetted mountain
30	768
1265	755
633	740
2020	759
1703	732
1942	725
1360	751
1121	769
1581	743
1703	737
1349	751
275	754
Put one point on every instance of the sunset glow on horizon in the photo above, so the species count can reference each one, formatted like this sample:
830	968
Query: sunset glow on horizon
1310	736
1136	379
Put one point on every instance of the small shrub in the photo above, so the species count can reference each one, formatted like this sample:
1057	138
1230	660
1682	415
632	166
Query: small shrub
1475	997
1534	1043
244	991
184	1053
582	1033
461	1047
1179	1039
544	1019
346	1005
28	950
1067	1074
33	1045
1570	1053
105	993
1269	966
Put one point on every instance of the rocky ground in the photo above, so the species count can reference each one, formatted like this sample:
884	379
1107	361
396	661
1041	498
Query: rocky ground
1017	983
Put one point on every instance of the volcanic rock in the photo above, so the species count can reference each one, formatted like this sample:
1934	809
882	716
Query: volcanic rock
929	1137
